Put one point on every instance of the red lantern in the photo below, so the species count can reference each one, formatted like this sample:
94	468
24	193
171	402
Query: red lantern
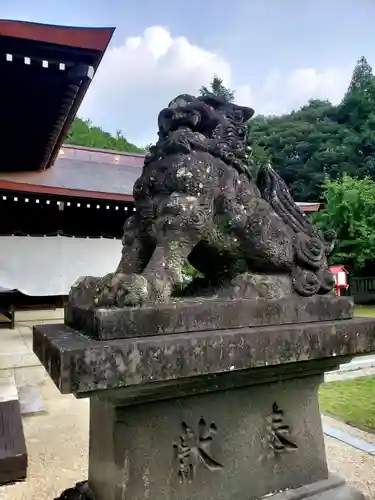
341	278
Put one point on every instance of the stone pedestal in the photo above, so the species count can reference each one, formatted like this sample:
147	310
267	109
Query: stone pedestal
225	414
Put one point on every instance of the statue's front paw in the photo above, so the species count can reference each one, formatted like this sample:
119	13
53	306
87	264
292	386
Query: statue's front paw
122	290
83	291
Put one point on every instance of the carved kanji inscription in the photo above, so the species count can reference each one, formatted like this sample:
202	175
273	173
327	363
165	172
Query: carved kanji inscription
195	448
279	438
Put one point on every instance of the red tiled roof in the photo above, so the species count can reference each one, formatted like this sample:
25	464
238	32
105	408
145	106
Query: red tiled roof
84	172
309	207
83	38
337	269
81	172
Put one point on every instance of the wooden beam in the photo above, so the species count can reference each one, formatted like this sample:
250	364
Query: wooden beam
13	453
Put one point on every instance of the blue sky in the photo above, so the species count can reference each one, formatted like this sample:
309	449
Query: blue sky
276	53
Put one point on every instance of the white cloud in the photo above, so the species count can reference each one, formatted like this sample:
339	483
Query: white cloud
284	92
139	77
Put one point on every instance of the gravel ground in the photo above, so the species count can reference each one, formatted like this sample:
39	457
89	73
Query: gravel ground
357	467
57	443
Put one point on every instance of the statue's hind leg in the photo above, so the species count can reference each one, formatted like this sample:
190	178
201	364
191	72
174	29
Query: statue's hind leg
280	260
276	249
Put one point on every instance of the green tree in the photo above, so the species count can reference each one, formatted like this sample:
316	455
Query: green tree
84	133
303	147
362	78
321	140
359	100
349	209
217	88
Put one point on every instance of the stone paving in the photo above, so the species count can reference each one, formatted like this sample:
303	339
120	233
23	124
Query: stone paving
349	374
57	443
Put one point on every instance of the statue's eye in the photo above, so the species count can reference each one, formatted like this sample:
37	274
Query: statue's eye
168	114
237	115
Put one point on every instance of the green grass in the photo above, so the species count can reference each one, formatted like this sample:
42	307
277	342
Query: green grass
352	401
366	311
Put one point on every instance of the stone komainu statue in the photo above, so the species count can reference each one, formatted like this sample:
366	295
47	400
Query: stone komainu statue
198	201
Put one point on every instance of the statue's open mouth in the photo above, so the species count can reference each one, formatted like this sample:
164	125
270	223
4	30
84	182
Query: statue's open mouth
190	120
179	140
196	116
180	131
198	124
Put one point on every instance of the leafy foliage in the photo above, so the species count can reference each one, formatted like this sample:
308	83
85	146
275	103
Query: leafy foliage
320	139
358	102
83	133
349	209
216	87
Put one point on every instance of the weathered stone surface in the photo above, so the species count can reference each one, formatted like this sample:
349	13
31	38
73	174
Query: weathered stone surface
79	364
190	315
262	438
201	199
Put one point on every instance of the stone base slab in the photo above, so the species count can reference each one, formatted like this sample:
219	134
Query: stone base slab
192	315
81	365
328	489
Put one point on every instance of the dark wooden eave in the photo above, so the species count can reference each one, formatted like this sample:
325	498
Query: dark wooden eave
45	73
